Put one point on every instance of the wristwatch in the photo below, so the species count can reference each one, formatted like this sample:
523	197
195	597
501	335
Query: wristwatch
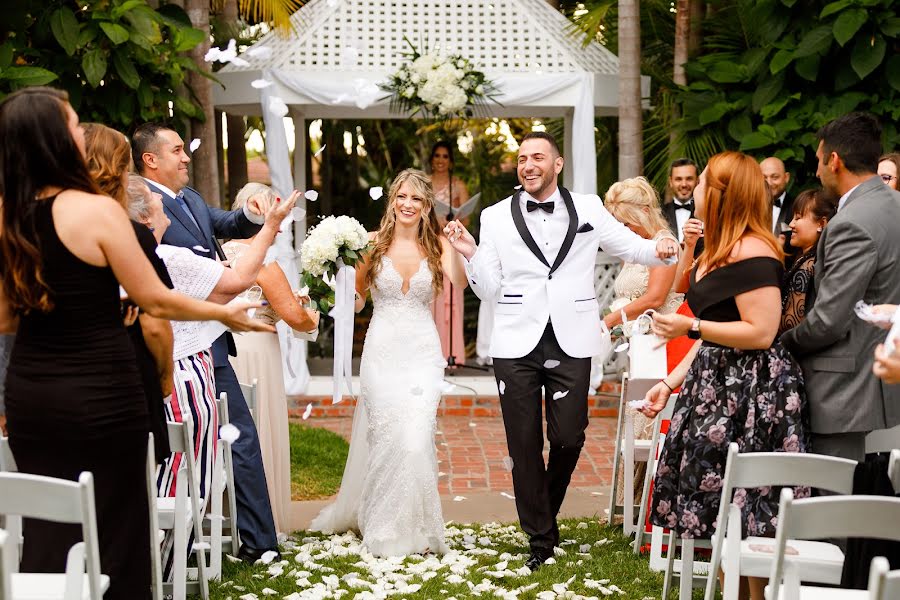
694	332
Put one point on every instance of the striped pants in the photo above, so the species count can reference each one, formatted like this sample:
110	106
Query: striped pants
194	395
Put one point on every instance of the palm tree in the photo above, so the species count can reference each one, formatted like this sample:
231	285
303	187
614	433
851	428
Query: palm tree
631	153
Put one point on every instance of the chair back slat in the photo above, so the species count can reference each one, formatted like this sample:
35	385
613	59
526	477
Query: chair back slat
756	469
7	460
9	558
883	440
874	517
40	497
894	470
180	435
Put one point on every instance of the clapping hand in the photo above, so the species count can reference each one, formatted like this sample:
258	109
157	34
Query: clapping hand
259	204
886	367
693	231
460	239
278	210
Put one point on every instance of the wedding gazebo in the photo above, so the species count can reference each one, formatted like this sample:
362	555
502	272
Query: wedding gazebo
330	65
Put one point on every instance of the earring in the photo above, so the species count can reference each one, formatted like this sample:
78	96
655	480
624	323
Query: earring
819	230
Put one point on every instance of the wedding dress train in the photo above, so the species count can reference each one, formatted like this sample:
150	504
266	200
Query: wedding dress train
389	491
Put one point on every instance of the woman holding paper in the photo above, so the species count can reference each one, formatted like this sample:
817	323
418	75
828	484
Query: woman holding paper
259	357
450	194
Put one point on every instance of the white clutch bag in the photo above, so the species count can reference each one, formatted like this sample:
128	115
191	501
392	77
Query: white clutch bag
646	352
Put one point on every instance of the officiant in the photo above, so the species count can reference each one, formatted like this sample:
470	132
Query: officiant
449	193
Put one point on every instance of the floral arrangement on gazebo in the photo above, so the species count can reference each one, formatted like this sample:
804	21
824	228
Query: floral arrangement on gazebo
438	86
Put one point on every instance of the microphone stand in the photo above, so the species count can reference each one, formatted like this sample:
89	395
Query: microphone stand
451	358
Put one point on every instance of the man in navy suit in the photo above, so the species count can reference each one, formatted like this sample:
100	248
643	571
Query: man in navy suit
161	158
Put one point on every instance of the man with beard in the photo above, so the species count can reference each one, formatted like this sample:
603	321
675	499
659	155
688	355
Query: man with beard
856	260
536	263
682	180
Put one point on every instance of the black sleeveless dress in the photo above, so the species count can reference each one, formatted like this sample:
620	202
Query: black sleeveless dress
74	403
752	397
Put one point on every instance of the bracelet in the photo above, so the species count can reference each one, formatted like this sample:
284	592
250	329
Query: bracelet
665	383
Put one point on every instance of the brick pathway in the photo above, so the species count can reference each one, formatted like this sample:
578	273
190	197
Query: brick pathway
471	453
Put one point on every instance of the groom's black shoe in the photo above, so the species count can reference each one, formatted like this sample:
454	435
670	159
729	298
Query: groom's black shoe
251	555
537	558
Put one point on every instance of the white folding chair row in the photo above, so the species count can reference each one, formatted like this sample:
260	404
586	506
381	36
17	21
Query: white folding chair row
656	445
60	501
883	583
249	392
752	557
222	483
883	440
11	523
873	517
894	470
181	512
628	452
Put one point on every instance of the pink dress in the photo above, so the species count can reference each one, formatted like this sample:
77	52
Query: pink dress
440	307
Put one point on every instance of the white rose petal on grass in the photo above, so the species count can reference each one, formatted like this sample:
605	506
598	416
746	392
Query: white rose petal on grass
376	192
551	364
231	558
550	561
308	411
311	195
260	84
581	526
229	433
195	143
502	387
320	150
558	395
508	463
584	548
269	592
267	557
459	498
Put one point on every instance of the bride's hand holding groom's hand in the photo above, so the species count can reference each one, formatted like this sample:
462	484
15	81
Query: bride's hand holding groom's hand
460	239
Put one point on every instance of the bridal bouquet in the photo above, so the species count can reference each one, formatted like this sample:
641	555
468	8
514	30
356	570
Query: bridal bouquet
438	86
334	239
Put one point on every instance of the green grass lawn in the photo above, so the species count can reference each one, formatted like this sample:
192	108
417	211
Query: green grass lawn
483	561
317	462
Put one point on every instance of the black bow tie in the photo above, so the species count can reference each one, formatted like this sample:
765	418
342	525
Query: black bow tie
689	206
546	206
778	201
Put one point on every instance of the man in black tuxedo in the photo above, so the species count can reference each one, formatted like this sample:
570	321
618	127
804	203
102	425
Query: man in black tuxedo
782	207
683	174
160	157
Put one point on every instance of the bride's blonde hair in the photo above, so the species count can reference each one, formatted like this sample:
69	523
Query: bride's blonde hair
635	201
429	234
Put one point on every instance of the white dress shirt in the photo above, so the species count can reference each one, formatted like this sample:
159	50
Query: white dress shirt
255	219
547	229
776	213
681	217
843	199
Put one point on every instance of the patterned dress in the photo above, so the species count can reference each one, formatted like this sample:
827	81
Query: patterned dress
752	397
794	290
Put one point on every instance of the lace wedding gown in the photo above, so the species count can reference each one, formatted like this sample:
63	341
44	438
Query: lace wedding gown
389	491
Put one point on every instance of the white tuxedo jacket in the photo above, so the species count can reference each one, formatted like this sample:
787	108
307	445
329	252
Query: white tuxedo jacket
510	270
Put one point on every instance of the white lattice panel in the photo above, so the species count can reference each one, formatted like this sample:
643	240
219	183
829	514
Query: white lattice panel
500	36
606	269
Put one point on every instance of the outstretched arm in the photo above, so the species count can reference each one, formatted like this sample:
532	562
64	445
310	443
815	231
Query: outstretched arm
453	264
482	265
618	240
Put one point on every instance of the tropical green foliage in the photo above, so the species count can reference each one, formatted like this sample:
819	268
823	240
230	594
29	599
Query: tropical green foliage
120	60
773	71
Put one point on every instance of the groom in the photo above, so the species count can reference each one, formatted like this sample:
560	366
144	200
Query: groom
536	263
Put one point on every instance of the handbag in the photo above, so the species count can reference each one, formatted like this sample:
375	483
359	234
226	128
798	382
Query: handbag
646	351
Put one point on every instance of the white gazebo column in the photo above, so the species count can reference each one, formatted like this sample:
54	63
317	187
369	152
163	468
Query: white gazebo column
301	136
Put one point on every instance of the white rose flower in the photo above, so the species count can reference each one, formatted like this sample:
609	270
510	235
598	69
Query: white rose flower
479	90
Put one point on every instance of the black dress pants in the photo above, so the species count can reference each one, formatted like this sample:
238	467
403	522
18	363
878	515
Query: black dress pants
540	489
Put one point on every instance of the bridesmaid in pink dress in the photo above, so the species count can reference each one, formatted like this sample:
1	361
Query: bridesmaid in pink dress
454	195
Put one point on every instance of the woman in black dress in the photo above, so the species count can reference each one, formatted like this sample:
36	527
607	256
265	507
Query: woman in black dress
108	156
812	211
74	400
739	384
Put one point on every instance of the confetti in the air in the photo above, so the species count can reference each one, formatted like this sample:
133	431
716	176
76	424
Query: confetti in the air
417	391
195	143
558	395
320	150
263	52
311	195
308	411
502	386
376	192
277	106
349	56
551	364
508	463
639	404
506	495
260	83
622	347
229	433
298	214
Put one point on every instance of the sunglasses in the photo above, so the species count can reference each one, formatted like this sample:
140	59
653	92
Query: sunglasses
887	178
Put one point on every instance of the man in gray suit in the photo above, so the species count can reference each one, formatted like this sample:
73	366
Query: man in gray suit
858	258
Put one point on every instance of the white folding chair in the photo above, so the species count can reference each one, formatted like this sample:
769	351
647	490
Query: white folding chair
61	501
883	440
222	483
183	511
656	445
874	517
628	452
249	392
156	534
9	557
752	557
11	523
894	470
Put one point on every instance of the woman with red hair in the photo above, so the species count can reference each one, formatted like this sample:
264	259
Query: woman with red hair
738	382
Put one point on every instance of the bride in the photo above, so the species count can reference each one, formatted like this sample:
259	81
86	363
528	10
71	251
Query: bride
389	492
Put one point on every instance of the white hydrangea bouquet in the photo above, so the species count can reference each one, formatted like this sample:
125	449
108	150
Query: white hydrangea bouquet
334	239
438	86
